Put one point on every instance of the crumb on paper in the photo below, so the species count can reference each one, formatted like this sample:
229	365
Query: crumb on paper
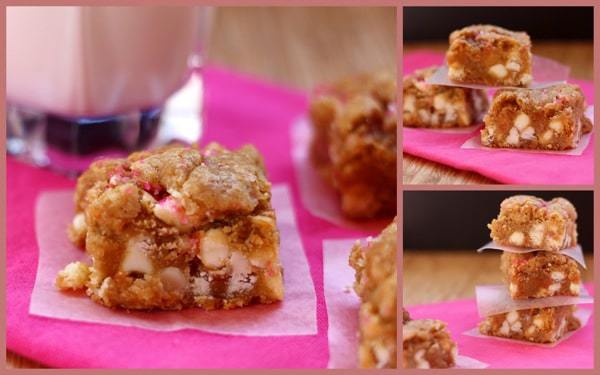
73	277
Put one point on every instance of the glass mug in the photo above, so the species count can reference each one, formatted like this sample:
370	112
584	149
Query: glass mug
85	82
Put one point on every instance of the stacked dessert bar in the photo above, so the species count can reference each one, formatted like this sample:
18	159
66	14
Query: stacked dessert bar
530	223
519	116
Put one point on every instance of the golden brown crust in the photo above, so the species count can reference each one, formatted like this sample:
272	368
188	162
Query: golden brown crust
530	222
376	285
540	274
179	227
490	55
354	144
551	118
541	325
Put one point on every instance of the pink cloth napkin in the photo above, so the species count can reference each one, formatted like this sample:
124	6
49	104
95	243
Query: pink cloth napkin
500	165
238	110
576	351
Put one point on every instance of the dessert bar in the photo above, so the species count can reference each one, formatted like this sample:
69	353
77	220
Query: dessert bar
427	344
541	325
177	227
540	274
376	285
490	55
529	222
433	106
354	143
550	118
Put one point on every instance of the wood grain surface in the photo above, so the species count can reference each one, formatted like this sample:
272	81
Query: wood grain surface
577	55
434	276
297	47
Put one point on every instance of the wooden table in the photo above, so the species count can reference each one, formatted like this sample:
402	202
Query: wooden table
297	47
578	55
433	276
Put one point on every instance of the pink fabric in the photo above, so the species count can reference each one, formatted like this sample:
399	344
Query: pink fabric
500	165
342	303
238	110
576	351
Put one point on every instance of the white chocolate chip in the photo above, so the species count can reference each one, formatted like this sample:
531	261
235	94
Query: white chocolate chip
136	257
536	234
79	224
517	238
201	285
382	354
553	288
420	359
439	102
538	322
214	248
575	288
505	328
424	115
409	103
526	79
104	287
530	331
498	71
557	276
242	278
556	125
521	121
513	288
513	136
512	316
173	279
528	133
514	66
450	115
171	211
516	327
547	136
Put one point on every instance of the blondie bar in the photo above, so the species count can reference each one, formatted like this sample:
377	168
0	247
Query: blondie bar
427	344
550	118
177	227
530	222
489	55
541	325
354	143
376	285
433	106
540	274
